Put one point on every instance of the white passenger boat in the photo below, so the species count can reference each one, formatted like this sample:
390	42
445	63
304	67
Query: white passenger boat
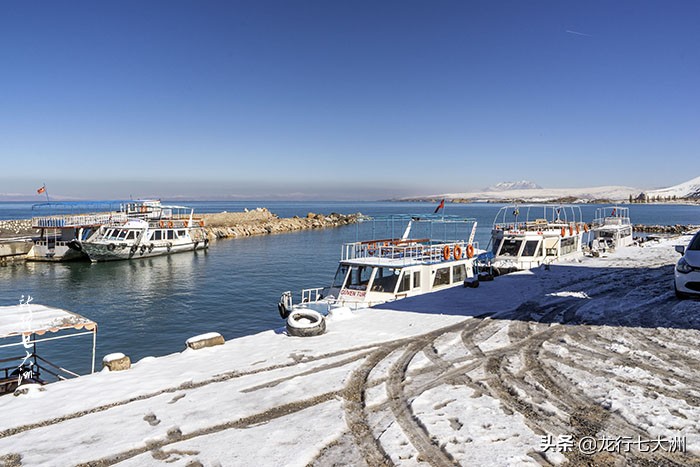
611	228
151	229
527	236
376	271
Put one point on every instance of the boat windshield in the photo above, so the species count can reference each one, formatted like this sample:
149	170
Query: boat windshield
385	280
510	247
340	275
359	277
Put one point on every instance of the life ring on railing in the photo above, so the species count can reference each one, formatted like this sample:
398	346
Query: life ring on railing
446	253
170	224
585	228
563	231
470	251
162	224
571	230
371	248
457	252
201	223
578	229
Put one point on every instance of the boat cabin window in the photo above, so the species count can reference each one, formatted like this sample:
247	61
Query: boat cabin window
606	234
510	247
359	277
568	245
340	274
459	273
108	233
496	246
171	234
385	280
131	235
405	282
181	233
442	277
530	248
416	279
157	235
122	235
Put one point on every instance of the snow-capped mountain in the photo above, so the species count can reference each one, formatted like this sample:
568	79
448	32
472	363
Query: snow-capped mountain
689	189
508	186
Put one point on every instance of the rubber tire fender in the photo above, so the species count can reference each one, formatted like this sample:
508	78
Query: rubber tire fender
298	328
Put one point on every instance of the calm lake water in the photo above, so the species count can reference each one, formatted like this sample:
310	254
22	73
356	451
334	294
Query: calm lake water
151	306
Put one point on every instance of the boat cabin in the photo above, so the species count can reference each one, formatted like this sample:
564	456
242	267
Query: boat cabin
611	228
524	237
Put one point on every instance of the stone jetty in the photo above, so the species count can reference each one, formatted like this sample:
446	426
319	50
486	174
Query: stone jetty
666	229
261	221
16	228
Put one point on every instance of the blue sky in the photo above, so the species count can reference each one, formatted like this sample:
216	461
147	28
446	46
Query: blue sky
345	100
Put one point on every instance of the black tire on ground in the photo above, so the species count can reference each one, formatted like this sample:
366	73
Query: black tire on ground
305	323
472	284
284	313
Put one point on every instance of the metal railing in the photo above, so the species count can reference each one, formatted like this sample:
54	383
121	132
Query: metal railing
406	252
80	220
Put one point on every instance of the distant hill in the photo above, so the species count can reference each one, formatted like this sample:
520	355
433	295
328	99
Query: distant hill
689	189
508	186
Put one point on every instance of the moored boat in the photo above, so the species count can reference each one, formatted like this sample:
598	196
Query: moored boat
611	228
151	229
527	236
389	268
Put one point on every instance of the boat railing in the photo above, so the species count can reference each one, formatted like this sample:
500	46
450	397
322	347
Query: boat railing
50	243
33	369
540	225
407	251
610	221
77	220
311	295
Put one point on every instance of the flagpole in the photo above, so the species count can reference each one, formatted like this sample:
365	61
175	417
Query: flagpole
46	192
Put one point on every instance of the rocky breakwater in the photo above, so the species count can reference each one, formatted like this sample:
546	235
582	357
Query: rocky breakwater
16	228
665	229
261	221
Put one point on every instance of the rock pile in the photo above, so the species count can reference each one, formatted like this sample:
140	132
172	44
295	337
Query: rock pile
261	221
665	229
16	228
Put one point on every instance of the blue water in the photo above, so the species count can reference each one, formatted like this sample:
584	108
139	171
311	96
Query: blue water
151	306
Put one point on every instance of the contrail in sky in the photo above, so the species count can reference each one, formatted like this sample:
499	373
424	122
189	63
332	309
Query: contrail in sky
578	33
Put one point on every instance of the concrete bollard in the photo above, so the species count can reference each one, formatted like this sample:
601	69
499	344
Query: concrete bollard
116	362
209	339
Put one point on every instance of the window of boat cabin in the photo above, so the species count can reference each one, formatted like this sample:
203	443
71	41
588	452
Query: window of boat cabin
405	282
442	277
510	247
359	277
385	280
122	234
530	247
170	233
496	246
157	235
459	273
181	233
568	245
340	274
416	279
131	235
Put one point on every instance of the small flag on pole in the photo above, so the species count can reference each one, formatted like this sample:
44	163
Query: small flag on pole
441	206
41	190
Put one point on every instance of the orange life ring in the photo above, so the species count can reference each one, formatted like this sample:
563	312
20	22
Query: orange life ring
201	223
585	227
470	251
578	229
162	223
446	253
457	252
371	248
170	224
571	230
563	232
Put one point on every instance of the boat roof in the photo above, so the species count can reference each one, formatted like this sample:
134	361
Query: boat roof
17	320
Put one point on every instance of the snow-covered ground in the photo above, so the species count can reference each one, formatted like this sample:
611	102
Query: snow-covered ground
689	189
538	367
619	193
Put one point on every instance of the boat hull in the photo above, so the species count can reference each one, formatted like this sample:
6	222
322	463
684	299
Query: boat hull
123	251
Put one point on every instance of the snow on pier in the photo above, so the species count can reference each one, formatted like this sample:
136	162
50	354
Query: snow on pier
516	372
